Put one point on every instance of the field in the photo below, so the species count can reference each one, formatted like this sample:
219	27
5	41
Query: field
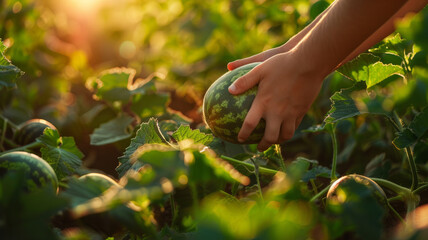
120	85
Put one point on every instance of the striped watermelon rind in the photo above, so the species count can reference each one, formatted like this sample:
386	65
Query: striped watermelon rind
38	172
30	130
377	191
225	113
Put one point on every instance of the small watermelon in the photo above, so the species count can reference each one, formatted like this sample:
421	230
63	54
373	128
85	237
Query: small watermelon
224	113
341	185
30	130
103	182
38	172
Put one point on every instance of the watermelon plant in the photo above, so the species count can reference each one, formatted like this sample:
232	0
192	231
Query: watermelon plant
142	138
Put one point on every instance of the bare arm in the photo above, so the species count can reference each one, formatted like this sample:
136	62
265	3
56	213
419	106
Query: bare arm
412	6
291	43
289	82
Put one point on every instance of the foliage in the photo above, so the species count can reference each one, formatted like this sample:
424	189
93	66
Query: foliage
129	94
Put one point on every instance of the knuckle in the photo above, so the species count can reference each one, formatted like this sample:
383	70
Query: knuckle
250	124
270	139
241	82
287	135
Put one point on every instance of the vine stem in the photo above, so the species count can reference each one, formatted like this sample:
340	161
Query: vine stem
262	170
410	198
400	190
14	126
281	160
3	134
320	194
256	173
23	148
195	198
409	154
332	131
421	188
397	215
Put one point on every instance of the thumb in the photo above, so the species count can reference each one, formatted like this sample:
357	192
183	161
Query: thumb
247	81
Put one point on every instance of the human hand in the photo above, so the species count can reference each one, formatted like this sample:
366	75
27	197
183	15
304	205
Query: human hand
287	88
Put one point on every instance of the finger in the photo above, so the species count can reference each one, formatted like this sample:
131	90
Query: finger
255	58
298	121
271	134
250	123
287	130
247	81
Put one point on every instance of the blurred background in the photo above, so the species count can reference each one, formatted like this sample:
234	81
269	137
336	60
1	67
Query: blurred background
186	44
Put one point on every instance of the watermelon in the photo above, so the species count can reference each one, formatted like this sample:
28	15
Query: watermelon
225	113
30	130
341	186
103	182
37	171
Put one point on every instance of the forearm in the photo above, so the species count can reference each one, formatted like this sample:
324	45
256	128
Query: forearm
387	28
341	30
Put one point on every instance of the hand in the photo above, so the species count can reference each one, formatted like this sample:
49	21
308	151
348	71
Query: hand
287	88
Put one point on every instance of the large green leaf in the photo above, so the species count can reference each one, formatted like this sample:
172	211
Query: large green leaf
112	131
368	68
148	132
184	132
60	152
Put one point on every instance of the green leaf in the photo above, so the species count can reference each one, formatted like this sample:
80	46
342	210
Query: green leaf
414	93
149	105
148	132
395	46
317	8
8	72
416	129
112	84
112	131
343	106
206	167
60	152
160	162
184	132
94	194
368	68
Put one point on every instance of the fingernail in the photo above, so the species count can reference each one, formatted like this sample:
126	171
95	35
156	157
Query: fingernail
232	88
240	139
229	66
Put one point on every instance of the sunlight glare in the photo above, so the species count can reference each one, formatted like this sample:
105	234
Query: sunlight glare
83	6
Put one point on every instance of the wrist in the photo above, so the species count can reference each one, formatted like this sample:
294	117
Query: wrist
310	64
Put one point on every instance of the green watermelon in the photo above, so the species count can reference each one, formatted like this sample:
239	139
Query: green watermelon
224	113
38	172
103	182
30	130
340	187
